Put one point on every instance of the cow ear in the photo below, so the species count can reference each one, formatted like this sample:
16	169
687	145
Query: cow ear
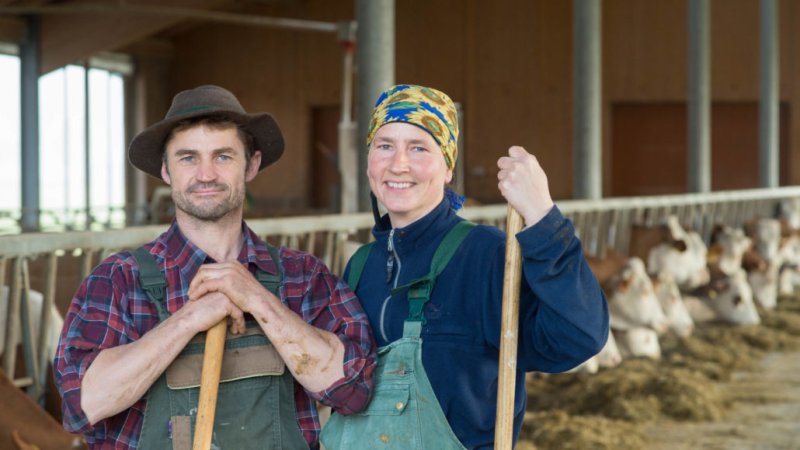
714	253
715	231
625	282
721	285
679	245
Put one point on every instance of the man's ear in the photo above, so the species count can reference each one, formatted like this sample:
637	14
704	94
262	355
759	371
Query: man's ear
165	173
255	164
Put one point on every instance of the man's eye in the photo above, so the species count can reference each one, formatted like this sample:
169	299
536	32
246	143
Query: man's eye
224	157
187	158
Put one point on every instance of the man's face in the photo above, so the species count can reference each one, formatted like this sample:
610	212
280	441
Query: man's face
206	168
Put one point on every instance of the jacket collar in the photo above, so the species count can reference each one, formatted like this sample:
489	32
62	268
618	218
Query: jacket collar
419	233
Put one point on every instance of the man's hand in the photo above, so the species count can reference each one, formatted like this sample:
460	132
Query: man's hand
208	309
523	184
234	281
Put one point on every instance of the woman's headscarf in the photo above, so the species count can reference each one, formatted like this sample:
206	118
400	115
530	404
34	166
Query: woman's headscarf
428	108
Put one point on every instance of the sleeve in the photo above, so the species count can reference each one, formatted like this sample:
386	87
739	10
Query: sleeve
343	316
96	320
563	317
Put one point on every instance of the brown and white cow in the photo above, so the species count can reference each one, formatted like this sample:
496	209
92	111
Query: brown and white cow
631	298
726	297
639	342
669	248
671	300
608	357
728	248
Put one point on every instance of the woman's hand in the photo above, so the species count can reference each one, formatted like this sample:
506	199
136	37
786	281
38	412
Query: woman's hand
523	184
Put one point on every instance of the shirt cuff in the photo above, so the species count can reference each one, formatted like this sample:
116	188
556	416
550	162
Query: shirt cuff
553	227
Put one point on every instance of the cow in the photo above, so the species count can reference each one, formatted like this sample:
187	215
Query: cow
731	250
35	300
726	297
789	211
728	247
773	242
638	342
670	248
631	298
608	357
671	300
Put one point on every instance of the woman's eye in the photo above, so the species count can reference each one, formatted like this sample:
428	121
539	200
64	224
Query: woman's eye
419	149
384	147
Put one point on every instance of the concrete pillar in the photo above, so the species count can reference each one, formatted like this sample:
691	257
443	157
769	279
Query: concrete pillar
587	118
699	111
768	119
375	51
30	57
87	142
348	143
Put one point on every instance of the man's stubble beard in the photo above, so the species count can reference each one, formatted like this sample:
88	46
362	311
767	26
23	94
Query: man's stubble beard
209	212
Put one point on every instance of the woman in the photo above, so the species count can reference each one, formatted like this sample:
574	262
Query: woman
449	310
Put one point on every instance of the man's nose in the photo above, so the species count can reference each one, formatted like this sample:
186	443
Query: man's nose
206	170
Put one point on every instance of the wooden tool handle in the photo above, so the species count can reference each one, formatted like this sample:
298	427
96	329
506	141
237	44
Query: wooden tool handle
507	372
209	385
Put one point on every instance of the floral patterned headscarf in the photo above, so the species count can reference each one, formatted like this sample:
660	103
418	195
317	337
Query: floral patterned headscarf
425	107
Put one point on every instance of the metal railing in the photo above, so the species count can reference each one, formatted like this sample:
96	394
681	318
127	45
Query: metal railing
601	224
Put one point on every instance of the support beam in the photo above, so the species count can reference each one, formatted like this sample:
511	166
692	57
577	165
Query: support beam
768	119
587	162
347	145
699	114
87	146
375	67
29	56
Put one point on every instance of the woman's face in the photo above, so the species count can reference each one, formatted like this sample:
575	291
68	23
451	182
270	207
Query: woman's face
407	171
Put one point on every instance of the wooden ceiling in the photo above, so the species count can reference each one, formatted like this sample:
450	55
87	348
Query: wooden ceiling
73	30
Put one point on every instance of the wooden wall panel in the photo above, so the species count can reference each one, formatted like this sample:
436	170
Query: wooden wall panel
283	72
508	62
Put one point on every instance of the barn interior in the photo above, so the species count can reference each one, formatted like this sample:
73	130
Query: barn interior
636	111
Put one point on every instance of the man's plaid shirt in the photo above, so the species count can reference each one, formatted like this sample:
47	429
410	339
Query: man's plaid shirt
110	309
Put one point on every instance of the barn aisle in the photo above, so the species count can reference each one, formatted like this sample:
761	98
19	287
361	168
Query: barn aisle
764	414
725	387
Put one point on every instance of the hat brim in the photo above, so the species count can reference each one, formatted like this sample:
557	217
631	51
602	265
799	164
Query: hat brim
145	150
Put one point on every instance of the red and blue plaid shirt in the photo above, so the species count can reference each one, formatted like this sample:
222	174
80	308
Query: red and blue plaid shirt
110	309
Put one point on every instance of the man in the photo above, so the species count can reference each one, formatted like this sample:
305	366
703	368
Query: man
127	364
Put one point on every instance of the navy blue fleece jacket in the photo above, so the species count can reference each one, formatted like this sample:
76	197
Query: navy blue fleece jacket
563	311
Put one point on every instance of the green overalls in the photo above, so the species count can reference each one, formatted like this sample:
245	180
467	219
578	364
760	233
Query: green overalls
255	402
404	413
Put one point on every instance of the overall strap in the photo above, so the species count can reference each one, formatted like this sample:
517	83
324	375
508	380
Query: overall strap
357	263
419	290
269	281
153	281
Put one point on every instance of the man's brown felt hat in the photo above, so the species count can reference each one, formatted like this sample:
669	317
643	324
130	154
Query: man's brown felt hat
145	151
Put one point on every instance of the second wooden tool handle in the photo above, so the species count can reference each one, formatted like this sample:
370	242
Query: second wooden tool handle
209	385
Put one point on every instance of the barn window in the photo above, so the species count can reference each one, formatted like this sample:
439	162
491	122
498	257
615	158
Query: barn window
10	179
75	192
